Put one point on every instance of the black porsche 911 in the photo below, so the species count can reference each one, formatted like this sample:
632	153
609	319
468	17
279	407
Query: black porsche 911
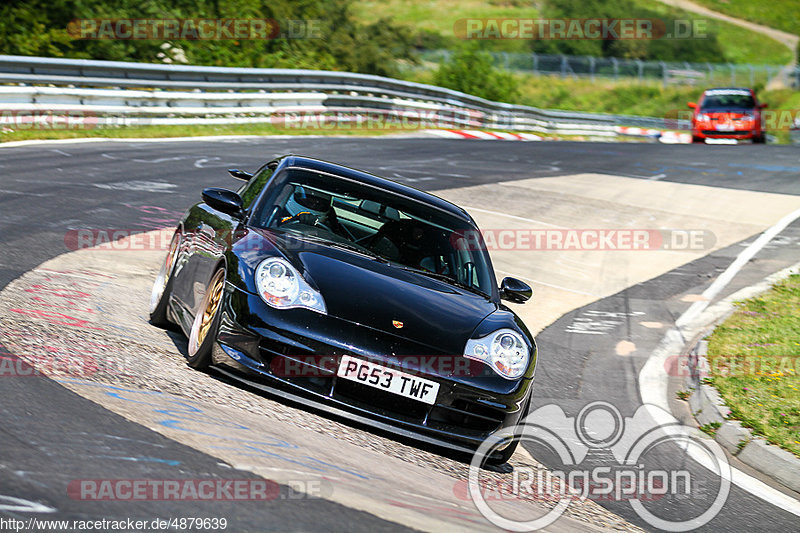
356	294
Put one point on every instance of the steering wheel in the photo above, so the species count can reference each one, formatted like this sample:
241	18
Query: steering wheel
304	217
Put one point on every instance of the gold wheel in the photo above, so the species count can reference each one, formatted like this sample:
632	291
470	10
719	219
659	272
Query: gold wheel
199	353
212	305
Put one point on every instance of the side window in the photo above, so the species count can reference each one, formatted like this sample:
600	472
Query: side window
252	188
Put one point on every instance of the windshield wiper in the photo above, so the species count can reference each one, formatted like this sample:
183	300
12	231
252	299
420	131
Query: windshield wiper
338	244
357	249
441	277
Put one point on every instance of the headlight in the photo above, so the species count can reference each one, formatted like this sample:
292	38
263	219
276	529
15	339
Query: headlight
702	117
748	116
282	287
504	350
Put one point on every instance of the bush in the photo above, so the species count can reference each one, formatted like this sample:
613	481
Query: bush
472	71
665	49
39	27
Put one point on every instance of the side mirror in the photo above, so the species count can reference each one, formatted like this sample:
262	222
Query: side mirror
762	106
693	105
240	174
224	200
514	290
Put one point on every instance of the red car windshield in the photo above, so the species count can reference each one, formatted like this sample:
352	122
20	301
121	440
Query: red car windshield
728	101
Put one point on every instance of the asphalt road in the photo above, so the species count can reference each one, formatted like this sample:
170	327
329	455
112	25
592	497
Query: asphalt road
50	435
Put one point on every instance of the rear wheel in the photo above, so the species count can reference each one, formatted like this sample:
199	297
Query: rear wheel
162	287
697	140
759	139
206	323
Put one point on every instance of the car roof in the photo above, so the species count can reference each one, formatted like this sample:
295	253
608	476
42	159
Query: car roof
748	89
376	181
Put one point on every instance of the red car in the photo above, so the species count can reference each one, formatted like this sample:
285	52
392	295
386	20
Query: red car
727	113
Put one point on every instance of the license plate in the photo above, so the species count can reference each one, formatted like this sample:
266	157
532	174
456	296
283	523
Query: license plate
390	380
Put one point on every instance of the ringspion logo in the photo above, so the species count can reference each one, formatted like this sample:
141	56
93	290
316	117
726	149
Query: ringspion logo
603	455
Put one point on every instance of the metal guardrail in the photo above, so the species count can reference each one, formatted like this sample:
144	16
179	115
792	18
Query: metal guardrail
143	93
616	68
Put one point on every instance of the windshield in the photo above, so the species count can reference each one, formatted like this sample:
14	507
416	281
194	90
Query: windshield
383	225
728	100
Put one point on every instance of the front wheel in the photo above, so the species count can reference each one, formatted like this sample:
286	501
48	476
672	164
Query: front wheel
206	323
504	455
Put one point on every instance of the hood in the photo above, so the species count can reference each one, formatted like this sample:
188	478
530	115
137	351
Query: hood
364	291
733	113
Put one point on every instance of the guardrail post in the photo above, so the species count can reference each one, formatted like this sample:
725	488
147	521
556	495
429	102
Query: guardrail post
563	66
535	63
616	67
640	68
592	62
664	74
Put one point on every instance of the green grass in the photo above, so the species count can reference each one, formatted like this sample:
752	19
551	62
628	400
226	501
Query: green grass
739	45
743	46
121	132
683	395
711	428
440	16
754	357
624	97
781	14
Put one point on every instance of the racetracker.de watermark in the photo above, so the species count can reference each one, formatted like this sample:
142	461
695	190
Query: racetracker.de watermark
770	119
294	366
54	120
502	239
624	239
733	365
375	119
84	359
648	460
194	29
594	29
227	490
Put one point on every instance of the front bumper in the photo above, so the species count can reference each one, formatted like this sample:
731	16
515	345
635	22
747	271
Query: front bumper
705	132
293	353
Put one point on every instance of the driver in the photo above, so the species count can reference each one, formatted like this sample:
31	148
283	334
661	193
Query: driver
312	208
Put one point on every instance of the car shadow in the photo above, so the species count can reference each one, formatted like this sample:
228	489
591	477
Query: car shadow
181	344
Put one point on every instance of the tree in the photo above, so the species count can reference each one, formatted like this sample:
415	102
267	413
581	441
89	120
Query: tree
472	71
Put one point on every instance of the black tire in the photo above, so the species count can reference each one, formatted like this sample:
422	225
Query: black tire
759	139
504	456
204	330
697	140
162	287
